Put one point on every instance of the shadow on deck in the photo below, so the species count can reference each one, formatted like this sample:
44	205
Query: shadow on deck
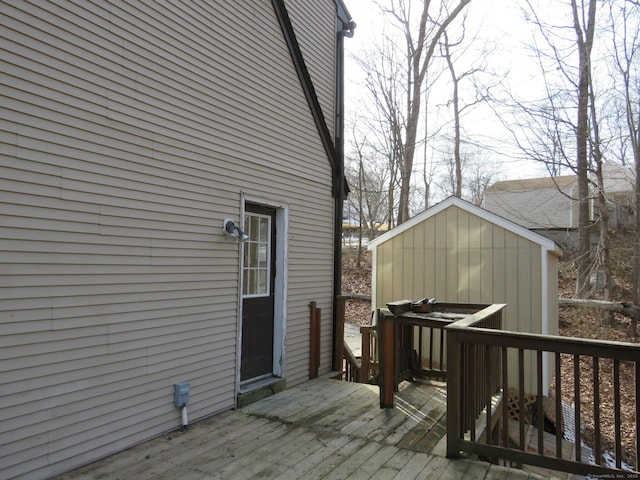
321	429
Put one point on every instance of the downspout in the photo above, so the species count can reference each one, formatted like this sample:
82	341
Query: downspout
344	28
333	149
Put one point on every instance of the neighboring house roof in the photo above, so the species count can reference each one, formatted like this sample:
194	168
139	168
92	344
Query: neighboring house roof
551	202
508	225
616	178
532	184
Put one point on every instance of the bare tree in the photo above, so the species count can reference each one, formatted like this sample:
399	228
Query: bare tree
455	82
457	104
624	21
559	130
479	177
368	175
420	45
385	118
584	31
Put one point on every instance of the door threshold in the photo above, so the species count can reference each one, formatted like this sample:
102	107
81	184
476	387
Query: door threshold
252	391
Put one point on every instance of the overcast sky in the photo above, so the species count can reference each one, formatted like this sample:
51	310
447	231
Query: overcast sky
496	20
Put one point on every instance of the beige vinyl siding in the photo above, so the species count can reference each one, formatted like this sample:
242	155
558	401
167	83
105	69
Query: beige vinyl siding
318	45
458	256
307	281
128	133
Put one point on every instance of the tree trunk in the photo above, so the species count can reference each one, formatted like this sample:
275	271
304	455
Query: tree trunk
636	245
419	60
456	121
585	41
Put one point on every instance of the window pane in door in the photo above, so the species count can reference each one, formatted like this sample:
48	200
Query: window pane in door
257	251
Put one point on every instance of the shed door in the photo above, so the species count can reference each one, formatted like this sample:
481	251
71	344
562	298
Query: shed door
258	293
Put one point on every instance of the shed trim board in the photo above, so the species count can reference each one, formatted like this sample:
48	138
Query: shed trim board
544	242
546	375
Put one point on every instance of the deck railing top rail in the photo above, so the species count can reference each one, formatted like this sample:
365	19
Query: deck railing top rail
623	351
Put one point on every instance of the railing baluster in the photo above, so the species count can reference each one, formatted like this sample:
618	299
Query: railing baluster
616	408
481	372
576	406
505	393
559	419
473	394
420	349
431	349
487	392
365	355
539	405
521	395
637	372
596	410
442	349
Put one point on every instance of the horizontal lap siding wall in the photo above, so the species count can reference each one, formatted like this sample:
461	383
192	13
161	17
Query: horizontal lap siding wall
535	208
315	27
128	133
318	44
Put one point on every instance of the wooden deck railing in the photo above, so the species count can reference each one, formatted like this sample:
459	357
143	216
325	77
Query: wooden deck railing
469	344
487	369
362	369
351	370
369	354
413	345
473	368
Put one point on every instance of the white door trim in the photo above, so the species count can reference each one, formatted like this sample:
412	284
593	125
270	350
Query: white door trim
280	287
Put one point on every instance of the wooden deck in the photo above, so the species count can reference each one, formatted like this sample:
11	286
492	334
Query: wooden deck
321	429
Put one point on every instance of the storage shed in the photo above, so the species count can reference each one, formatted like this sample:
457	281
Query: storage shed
458	252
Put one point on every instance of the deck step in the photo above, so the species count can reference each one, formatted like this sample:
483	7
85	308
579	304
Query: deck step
549	446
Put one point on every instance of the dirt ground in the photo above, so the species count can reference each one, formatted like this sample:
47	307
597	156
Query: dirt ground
574	322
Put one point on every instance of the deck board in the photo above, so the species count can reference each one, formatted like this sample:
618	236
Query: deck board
324	429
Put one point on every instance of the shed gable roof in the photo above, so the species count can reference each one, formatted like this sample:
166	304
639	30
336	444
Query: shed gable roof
456	202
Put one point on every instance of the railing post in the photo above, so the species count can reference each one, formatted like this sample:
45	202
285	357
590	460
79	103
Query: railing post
314	341
338	334
386	338
453	392
365	356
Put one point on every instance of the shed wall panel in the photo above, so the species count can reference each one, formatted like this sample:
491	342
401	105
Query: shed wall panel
466	258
